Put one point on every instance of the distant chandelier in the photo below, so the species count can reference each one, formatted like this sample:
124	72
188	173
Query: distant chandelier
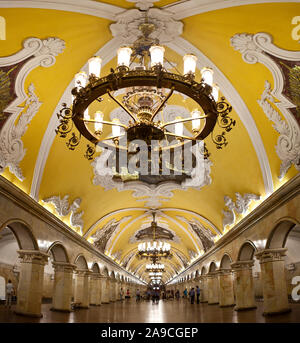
155	267
148	86
154	250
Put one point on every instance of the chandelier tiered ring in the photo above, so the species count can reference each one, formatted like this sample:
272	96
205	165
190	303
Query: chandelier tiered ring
148	86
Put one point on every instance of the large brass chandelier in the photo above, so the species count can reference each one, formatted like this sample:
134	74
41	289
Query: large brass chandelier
148	87
154	250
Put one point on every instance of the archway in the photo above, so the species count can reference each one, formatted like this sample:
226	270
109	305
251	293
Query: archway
225	262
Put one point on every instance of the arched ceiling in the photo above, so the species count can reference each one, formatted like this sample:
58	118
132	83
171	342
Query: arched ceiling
113	215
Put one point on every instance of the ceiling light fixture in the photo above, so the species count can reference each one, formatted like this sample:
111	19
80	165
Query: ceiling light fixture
148	87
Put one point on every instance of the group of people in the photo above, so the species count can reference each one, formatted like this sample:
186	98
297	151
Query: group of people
155	295
192	293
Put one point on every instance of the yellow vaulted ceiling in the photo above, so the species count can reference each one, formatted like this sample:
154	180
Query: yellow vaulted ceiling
234	169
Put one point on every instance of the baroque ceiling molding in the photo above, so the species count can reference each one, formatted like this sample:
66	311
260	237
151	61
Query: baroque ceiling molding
143	5
257	48
35	52
288	144
104	236
63	208
12	150
240	206
205	237
127	25
153	195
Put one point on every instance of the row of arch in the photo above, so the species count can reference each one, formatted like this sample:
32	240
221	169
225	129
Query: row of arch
27	241
276	240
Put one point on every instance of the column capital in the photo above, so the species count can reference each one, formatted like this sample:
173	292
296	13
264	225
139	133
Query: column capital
242	265
271	255
33	256
82	272
63	266
96	276
224	271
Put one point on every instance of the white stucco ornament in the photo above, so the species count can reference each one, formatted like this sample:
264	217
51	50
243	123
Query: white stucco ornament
127	25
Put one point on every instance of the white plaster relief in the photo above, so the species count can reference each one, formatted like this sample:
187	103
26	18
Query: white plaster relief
288	144
63	208
127	25
253	48
43	53
240	206
12	149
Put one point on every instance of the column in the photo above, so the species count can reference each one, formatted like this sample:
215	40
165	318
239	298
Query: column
62	290
105	290
82	292
212	286
244	285
30	287
203	289
118	289
274	281
226	295
95	289
112	290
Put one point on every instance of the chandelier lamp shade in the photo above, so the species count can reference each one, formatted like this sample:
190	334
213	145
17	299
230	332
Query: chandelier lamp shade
148	86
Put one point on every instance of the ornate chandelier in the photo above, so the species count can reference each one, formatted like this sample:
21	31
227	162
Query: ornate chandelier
155	267
154	250
148	86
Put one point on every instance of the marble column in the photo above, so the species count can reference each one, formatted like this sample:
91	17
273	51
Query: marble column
112	293
62	290
212	286
30	287
226	295
95	289
203	289
105	290
243	285
274	281
82	291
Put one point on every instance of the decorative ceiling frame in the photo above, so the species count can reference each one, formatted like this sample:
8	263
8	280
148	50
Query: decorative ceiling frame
257	48
35	53
184	8
181	46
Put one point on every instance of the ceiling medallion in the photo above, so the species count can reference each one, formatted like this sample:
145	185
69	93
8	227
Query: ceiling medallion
147	135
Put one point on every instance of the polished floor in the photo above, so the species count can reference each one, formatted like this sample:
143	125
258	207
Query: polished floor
171	311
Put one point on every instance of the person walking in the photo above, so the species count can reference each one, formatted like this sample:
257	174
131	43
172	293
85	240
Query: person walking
9	293
192	295
127	296
121	294
138	295
198	294
185	293
177	294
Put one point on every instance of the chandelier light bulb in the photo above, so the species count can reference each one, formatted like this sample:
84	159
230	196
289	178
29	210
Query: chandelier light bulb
95	66
99	118
189	64
86	115
178	128
80	79
157	55
196	122
207	75
124	55
116	129
215	92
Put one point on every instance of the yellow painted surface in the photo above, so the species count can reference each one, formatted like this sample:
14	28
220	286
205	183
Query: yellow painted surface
235	168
